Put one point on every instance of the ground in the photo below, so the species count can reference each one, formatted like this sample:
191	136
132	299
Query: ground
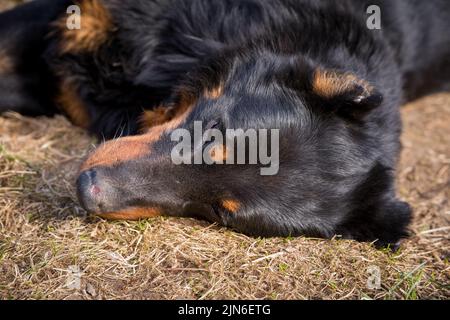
51	249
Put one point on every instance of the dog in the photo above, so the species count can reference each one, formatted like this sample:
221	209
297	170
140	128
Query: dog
134	72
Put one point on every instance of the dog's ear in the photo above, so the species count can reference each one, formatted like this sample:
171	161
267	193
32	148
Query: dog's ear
345	93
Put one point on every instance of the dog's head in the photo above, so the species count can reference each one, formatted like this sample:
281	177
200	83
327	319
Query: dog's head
305	160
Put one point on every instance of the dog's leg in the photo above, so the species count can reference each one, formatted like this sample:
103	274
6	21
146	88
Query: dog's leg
26	84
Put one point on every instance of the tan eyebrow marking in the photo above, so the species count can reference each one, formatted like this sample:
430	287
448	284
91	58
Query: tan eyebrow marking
218	153
231	205
214	93
329	84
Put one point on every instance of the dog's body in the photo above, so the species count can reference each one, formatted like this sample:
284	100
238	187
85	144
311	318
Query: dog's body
312	69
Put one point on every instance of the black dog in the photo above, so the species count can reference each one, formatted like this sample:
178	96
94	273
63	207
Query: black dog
312	69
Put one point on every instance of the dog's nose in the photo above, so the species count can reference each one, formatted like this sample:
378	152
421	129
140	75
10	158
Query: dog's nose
88	190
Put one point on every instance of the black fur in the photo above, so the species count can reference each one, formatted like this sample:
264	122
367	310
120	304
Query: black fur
338	153
28	89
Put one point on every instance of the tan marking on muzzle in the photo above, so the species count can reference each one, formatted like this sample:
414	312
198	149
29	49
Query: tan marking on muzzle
69	101
131	148
132	214
96	26
219	154
117	151
232	205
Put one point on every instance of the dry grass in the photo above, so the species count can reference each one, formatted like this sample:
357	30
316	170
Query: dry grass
45	236
47	242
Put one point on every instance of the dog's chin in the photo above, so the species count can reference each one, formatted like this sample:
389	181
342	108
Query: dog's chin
131	213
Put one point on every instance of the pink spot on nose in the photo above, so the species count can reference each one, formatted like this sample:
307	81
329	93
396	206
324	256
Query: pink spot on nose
95	190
